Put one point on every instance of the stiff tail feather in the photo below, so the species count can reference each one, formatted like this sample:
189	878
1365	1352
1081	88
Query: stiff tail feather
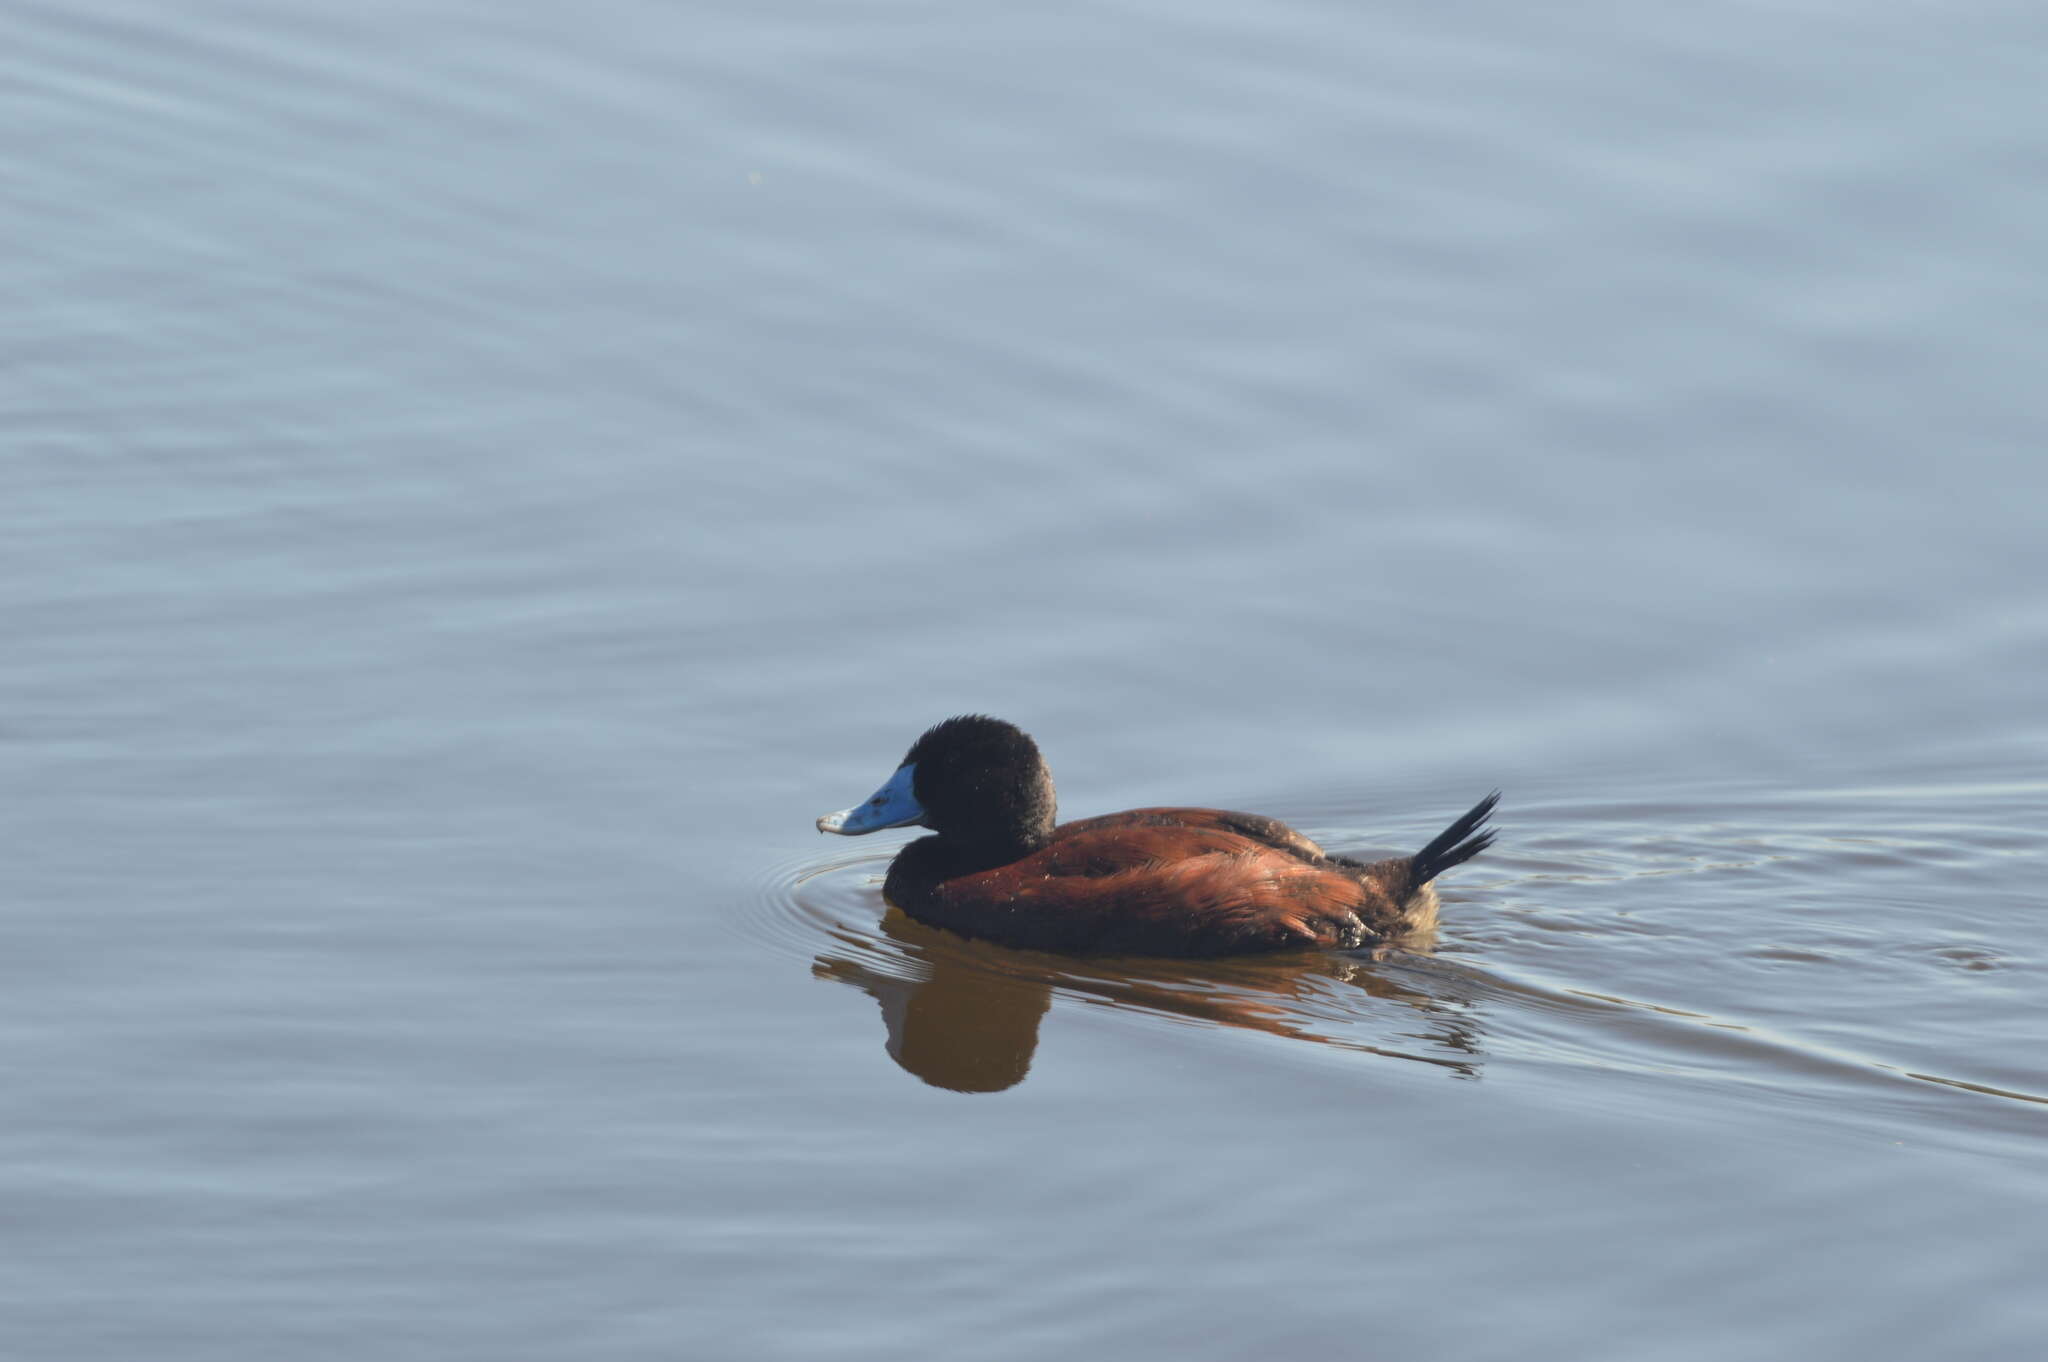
1455	845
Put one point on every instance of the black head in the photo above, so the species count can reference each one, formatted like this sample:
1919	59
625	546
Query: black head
982	779
977	782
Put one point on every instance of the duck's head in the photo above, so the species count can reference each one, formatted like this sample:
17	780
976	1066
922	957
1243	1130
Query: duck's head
973	780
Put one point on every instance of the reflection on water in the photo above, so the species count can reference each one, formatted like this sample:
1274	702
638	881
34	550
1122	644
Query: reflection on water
964	1014
951	1023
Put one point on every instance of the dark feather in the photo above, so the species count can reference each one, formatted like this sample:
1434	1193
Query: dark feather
1455	845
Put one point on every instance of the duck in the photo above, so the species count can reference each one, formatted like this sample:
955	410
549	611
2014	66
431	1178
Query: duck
1176	882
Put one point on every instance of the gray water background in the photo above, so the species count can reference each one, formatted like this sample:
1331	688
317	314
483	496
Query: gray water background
477	480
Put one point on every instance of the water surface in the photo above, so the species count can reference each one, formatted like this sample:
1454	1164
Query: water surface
478	482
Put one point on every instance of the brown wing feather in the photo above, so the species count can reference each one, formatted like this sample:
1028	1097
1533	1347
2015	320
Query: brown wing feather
1093	852
1143	888
1256	826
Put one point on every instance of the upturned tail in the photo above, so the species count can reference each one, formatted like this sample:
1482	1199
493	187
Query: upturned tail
1455	845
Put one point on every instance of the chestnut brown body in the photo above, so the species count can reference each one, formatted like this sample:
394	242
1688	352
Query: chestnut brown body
1187	882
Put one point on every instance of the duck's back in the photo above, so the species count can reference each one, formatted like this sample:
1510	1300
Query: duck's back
1255	826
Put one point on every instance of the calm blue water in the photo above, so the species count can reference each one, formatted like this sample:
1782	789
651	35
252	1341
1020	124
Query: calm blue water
476	482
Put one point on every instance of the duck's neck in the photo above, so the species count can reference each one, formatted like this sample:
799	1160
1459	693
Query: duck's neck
1001	817
986	848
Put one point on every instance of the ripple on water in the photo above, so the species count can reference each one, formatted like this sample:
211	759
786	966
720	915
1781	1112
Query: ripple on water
803	901
1555	952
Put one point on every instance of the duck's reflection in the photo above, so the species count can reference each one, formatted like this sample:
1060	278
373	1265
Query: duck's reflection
964	1015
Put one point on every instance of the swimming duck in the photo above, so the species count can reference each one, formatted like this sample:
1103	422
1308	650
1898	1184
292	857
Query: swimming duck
1173	882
